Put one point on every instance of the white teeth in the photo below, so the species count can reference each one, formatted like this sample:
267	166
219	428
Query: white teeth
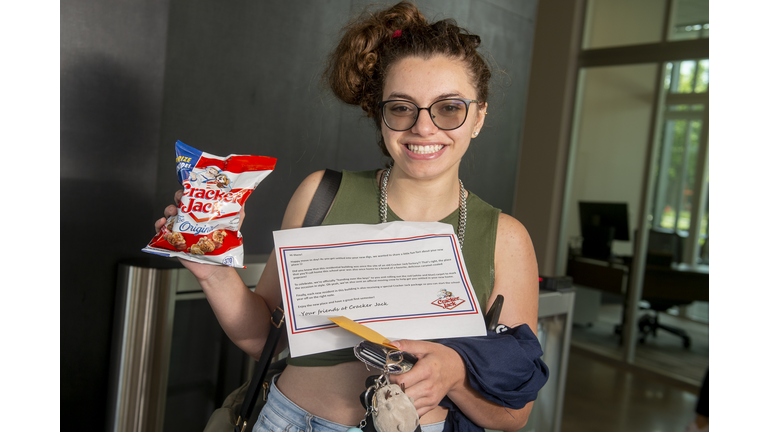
425	149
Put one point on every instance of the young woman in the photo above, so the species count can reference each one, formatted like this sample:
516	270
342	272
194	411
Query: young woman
426	87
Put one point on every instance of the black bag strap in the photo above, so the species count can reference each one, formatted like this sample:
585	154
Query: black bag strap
321	202
318	208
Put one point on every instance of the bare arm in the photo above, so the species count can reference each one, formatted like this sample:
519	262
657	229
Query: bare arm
244	315
441	371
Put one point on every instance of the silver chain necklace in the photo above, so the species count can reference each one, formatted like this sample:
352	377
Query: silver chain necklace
462	205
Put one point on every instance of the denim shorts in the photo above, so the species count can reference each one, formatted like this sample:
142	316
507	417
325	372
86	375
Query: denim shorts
281	415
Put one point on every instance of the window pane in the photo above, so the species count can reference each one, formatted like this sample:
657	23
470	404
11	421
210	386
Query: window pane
689	76
702	77
669	174
676	174
693	130
690	20
686	82
611	23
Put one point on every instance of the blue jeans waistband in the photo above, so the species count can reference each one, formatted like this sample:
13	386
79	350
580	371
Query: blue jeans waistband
280	414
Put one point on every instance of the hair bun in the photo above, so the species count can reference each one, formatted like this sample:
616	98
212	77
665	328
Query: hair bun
474	39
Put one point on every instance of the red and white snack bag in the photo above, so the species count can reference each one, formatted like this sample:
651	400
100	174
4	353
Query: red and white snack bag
205	230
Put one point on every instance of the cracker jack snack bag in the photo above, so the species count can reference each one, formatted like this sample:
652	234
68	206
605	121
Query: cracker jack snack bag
215	189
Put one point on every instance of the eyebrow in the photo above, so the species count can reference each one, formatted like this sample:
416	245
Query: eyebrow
396	95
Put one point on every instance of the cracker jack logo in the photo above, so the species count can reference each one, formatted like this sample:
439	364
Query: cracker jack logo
446	300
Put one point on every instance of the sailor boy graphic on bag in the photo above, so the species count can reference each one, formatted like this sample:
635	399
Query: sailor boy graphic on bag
209	175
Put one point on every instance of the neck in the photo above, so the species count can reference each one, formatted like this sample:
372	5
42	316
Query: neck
416	199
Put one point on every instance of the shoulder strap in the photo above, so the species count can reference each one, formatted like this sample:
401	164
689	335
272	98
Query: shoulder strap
321	202
318	208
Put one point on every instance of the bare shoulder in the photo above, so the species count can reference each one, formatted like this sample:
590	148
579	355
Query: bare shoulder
511	236
299	203
515	256
516	273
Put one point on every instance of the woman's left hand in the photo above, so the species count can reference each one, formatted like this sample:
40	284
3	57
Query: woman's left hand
439	370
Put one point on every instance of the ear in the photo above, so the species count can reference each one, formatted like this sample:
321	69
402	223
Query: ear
482	111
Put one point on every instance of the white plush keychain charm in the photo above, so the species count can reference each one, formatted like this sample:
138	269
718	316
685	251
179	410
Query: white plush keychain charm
393	410
389	408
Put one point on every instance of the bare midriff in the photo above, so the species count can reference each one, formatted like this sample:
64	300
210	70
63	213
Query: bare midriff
333	392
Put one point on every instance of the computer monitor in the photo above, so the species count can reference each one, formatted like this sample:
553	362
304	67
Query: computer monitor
601	223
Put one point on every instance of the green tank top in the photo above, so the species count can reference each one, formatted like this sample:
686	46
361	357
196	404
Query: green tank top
357	201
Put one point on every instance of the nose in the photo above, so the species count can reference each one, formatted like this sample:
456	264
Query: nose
424	124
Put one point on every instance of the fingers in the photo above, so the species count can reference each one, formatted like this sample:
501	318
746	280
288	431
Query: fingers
426	396
159	224
169	211
419	378
177	196
417	348
419	384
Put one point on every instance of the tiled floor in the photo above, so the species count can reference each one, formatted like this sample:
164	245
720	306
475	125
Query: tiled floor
602	398
604	394
663	353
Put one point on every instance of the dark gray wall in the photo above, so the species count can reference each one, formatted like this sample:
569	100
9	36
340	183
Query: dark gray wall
112	63
234	77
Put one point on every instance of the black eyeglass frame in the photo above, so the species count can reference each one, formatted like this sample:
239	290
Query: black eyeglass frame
467	103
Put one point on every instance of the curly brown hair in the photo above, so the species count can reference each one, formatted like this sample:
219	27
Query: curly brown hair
358	67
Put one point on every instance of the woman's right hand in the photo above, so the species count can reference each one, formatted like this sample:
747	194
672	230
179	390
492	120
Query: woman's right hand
201	271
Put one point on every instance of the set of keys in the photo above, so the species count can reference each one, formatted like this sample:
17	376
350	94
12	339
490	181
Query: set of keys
386	404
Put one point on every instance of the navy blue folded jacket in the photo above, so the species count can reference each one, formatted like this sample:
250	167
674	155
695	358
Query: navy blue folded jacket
505	367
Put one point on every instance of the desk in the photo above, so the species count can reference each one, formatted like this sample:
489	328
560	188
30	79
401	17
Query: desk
602	275
678	282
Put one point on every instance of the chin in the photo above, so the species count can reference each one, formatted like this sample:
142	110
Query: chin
425	170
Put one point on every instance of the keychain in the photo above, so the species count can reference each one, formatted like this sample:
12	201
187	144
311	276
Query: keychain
391	409
373	383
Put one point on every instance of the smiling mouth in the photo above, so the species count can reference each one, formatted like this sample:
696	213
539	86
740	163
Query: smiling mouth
425	149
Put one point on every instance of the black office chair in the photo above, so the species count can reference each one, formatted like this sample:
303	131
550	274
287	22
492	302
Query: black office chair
664	248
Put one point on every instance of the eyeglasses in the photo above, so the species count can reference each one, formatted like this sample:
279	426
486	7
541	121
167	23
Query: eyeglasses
446	114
